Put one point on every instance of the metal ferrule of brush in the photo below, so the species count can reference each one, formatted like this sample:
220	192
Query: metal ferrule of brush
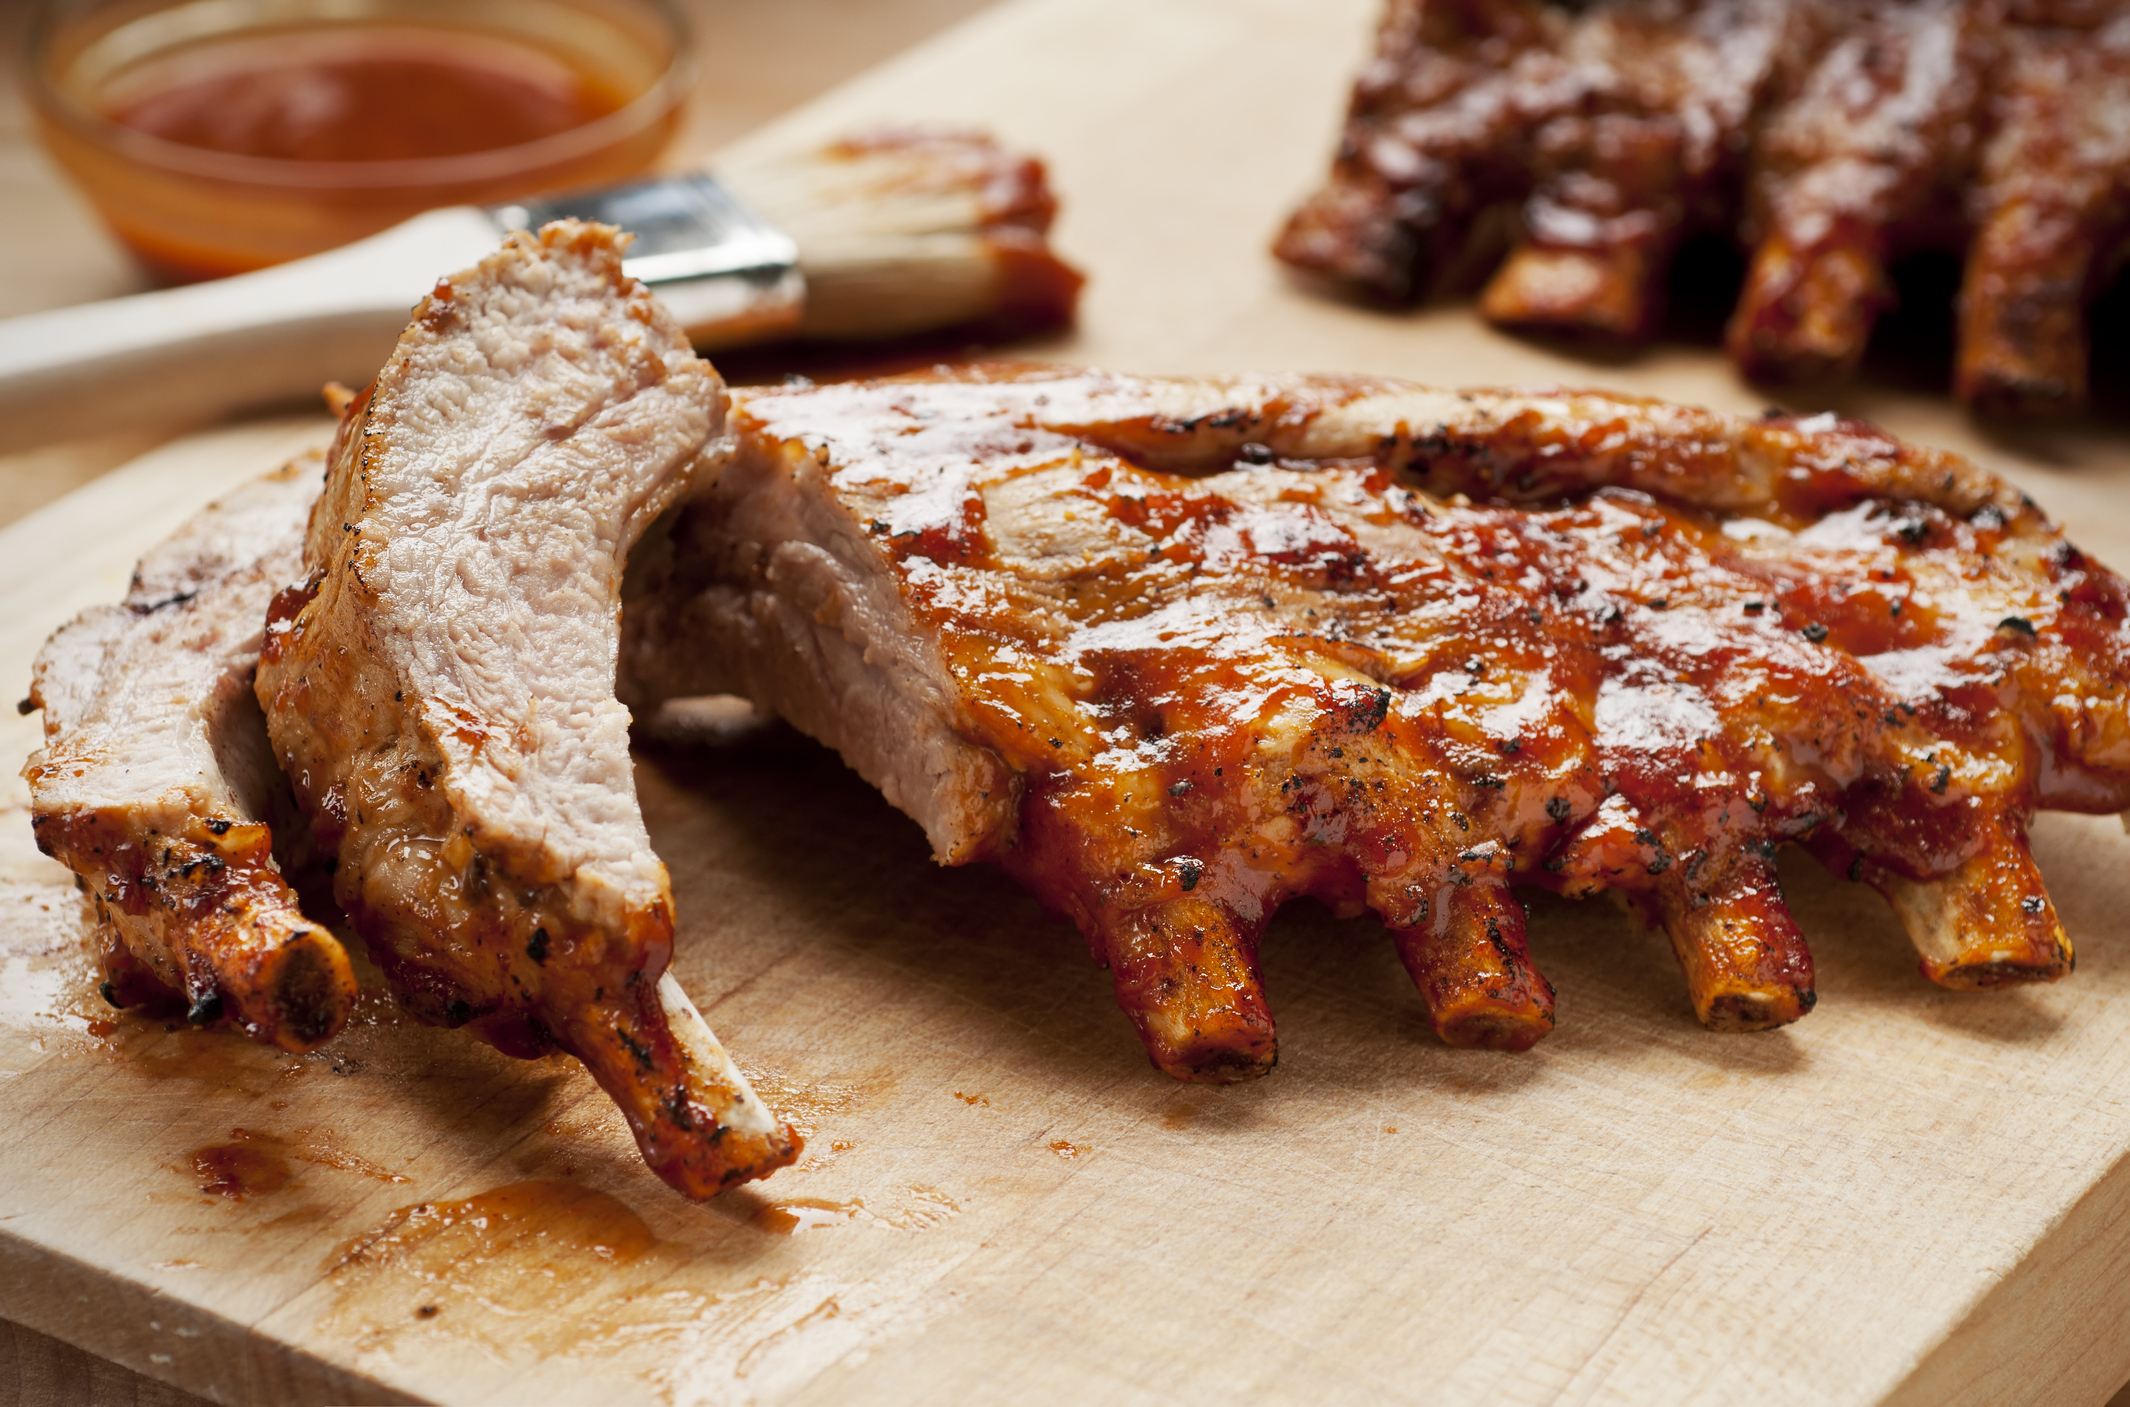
715	263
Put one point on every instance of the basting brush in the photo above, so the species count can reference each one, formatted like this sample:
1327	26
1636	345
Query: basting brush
883	236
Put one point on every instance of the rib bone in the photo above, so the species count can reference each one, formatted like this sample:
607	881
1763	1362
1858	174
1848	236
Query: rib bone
1474	971
1987	924
1746	965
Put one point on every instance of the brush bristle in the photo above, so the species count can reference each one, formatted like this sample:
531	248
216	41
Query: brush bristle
903	232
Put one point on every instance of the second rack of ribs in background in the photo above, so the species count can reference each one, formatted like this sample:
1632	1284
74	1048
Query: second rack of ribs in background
1831	138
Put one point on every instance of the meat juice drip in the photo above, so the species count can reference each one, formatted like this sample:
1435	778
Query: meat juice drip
544	1262
922	1209
800	1214
251	1165
546	1268
369	93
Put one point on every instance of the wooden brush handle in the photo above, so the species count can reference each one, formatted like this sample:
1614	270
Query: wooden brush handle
192	353
279	334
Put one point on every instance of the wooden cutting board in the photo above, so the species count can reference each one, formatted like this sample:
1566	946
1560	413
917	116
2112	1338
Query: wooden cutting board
1914	1196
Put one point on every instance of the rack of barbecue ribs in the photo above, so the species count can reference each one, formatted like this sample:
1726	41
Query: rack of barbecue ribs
1171	651
1831	137
1174	652
437	694
157	787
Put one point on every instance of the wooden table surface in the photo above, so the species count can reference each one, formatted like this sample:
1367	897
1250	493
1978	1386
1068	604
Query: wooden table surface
1913	1196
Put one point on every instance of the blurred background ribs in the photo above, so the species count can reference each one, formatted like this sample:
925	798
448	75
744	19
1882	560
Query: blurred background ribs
1832	139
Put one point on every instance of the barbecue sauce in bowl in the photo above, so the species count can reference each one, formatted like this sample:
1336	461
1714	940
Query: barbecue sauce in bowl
368	93
218	136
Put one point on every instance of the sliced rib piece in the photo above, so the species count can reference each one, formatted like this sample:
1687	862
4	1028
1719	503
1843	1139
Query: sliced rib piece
1176	651
157	785
440	687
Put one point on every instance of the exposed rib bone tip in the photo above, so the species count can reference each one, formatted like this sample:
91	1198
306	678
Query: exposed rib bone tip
1747	967
1186	974
745	1113
1990	923
1473	969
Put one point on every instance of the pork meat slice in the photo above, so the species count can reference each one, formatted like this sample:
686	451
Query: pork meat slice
157	786
1176	651
440	687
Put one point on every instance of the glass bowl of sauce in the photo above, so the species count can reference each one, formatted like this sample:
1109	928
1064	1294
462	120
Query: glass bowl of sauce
220	136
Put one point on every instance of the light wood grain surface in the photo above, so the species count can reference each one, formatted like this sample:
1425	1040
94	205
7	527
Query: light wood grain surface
1913	1196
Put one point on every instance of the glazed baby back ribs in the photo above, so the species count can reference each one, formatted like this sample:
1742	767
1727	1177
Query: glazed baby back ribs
440	686
1832	137
1174	652
1436	133
157	786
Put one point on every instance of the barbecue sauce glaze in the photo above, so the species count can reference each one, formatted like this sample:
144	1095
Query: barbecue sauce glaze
1227	668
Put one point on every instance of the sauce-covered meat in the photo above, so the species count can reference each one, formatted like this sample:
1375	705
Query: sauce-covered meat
1176	652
